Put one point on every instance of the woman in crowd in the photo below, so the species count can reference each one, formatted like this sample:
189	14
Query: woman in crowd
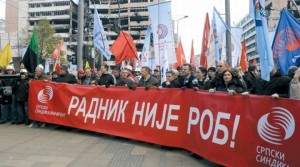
229	83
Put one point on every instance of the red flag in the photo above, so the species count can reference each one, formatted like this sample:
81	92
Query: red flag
205	40
180	57
254	62
244	59
55	54
123	47
192	58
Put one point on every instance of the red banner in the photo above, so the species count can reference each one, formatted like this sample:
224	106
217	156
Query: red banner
229	130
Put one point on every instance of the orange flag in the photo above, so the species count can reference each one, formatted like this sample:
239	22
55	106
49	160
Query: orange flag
192	58
180	57
244	59
123	48
57	65
55	54
205	40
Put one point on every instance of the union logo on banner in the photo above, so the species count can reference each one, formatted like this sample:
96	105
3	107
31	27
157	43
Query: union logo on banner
45	94
282	43
162	31
277	126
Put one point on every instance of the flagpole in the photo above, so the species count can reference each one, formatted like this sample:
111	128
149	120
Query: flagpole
228	37
80	34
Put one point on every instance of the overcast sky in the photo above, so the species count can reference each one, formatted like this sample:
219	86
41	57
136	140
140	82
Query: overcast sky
191	27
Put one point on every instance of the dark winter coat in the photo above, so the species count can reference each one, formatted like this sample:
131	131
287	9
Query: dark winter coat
106	79
184	82
67	78
278	84
22	89
173	84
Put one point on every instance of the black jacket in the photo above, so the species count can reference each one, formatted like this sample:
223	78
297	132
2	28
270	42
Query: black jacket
68	78
278	84
173	84
22	89
188	83
106	79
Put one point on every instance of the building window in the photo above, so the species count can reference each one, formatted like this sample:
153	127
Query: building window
138	1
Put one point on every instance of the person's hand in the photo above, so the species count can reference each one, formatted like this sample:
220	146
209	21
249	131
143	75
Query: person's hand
231	92
160	87
245	94
297	75
275	96
211	91
167	83
195	88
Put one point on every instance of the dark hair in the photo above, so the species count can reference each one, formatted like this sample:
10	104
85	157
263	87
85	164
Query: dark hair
54	73
291	71
105	66
203	70
212	69
251	68
190	66
147	69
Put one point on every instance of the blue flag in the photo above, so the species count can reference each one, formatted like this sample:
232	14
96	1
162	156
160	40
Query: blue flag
286	48
100	40
257	11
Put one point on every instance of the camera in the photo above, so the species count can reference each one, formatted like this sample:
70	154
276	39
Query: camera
6	91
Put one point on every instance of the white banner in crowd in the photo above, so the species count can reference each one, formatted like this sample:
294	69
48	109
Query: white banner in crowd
162	28
146	49
100	40
236	48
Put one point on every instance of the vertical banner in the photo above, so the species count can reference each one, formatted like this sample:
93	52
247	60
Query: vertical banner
146	49
211	59
219	31
286	47
205	43
100	40
236	33
257	11
164	66
162	28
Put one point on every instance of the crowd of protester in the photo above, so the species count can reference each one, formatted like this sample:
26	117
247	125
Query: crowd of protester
220	78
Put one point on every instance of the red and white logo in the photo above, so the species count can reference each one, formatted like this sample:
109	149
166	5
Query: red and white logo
45	94
276	126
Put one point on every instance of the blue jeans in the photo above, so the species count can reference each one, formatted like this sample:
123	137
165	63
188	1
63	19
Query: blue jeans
9	111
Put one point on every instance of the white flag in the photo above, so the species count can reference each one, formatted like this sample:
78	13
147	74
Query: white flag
146	49
100	40
162	28
164	65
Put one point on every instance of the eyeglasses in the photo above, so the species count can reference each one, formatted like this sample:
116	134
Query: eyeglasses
219	66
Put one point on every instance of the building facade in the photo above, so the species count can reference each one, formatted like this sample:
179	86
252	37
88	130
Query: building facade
272	8
128	15
2	26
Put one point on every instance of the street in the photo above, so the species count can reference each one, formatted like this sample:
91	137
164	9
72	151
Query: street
21	146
